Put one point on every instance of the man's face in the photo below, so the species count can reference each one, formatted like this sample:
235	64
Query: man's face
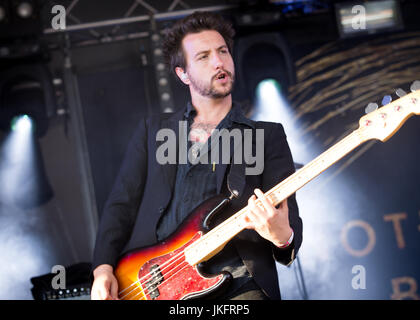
210	67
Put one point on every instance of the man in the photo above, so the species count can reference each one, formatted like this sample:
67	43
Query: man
149	200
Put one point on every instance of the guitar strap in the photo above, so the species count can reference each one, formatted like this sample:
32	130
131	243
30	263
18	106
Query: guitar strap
236	179
236	176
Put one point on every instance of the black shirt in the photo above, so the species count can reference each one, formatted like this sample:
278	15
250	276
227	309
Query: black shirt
195	182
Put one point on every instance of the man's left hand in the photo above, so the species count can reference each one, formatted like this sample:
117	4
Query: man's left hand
270	223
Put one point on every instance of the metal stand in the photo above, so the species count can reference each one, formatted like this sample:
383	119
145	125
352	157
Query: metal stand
77	123
301	285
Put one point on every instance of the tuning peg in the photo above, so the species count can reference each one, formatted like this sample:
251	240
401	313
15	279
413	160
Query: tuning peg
415	86
371	107
400	92
386	100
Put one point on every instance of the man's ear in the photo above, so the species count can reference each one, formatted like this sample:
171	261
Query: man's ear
182	75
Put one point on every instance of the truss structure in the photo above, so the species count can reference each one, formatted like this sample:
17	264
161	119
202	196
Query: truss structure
98	21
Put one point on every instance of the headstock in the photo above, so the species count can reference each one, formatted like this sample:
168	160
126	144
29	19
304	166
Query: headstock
383	122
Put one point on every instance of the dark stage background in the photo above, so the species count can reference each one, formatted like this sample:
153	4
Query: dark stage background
361	217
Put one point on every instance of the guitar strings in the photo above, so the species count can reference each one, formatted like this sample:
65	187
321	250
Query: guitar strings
167	279
167	264
143	289
157	280
176	257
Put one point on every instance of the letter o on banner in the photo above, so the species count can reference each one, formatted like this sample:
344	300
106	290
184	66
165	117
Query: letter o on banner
370	233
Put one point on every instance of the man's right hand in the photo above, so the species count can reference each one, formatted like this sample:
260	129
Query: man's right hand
105	285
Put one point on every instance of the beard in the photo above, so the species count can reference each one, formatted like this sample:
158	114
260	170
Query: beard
210	90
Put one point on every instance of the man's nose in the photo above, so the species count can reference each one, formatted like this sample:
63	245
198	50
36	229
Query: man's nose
217	61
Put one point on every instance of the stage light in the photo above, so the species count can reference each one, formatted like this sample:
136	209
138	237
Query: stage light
161	74
155	37
23	96
26	104
21	28
22	173
25	10
26	90
271	105
160	66
269	87
163	82
165	96
158	52
21	123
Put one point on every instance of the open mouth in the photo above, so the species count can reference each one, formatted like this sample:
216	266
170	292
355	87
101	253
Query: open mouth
222	76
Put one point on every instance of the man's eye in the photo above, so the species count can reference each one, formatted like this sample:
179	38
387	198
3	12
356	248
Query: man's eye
202	57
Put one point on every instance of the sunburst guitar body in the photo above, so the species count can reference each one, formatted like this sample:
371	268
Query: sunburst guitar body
160	272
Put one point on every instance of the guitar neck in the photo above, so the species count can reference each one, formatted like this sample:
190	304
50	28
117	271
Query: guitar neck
214	241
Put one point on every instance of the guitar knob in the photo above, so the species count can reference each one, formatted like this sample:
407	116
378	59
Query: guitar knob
386	100
233	194
415	86
371	107
400	93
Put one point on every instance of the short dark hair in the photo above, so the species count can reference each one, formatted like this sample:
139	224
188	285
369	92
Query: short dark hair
194	23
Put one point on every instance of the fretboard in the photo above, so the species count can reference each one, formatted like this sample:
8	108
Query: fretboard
213	241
